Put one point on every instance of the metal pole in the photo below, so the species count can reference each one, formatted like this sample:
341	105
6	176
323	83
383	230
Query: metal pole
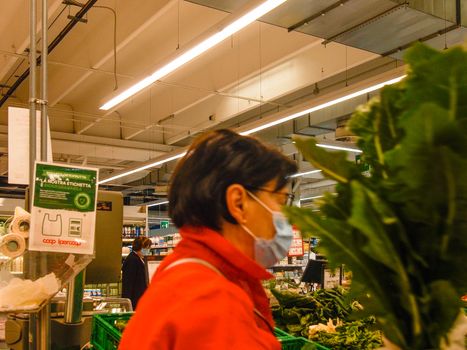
43	327
32	93
44	101
32	137
74	299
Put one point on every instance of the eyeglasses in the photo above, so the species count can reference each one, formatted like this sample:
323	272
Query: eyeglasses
289	197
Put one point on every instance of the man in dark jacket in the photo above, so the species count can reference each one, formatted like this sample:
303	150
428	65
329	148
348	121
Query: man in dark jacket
134	277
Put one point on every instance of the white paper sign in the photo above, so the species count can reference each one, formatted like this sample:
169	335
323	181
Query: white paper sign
18	144
296	248
63	215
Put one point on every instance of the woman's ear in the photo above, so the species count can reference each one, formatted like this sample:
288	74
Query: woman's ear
235	198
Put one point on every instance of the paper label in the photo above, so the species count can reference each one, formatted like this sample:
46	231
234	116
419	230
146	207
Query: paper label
63	214
332	278
296	248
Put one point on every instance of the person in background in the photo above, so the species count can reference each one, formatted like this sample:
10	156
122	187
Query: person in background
134	277
225	197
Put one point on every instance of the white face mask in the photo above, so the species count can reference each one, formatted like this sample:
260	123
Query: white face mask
269	251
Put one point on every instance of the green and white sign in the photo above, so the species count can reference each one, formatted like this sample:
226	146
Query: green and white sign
164	224
63	215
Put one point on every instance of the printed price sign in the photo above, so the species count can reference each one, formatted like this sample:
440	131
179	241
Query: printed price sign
296	248
63	215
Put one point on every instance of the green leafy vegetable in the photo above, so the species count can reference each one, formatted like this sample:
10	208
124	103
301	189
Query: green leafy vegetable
298	312
355	335
402	231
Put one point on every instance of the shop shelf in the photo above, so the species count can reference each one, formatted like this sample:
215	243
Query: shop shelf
289	266
105	336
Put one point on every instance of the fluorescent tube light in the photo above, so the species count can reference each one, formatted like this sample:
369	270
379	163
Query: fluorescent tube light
340	148
323	105
268	125
144	167
197	50
310	198
306	173
157	204
315	197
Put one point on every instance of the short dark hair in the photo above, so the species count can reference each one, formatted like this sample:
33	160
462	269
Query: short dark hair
140	243
215	161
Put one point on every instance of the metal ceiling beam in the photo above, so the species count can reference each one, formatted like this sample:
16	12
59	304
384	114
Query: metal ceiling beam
80	14
105	141
458	24
316	15
92	164
425	38
364	23
103	151
100	147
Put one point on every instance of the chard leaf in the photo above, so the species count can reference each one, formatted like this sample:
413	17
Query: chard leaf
364	218
403	230
438	77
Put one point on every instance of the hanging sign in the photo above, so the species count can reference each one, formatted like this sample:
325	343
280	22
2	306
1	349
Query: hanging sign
18	144
296	248
63	214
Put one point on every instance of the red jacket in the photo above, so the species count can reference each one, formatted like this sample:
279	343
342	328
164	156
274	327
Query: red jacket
190	306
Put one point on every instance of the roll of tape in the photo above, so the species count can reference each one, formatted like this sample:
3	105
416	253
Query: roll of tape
21	222
12	245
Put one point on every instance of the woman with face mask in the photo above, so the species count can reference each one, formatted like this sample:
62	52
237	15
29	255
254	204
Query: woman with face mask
134	277
226	196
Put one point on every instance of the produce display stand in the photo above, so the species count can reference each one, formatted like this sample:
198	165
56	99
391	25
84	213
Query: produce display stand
106	335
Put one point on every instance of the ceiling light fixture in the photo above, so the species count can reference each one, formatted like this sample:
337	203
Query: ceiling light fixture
310	198
195	51
323	105
144	167
265	126
306	173
340	148
157	204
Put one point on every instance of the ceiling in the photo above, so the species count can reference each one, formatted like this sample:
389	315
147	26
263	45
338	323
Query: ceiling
302	50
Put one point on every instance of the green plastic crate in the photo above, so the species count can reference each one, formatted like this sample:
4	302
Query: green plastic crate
280	333
293	343
105	336
290	342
